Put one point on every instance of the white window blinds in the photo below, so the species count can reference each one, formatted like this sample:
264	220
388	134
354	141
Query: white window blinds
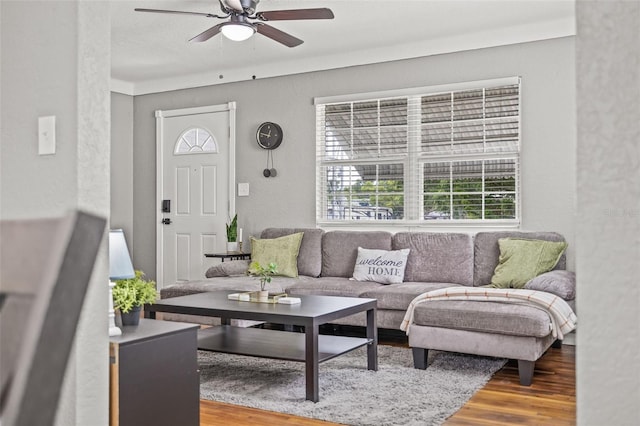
434	154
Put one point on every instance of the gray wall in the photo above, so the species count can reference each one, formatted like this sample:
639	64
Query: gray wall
55	61
608	214
548	134
122	164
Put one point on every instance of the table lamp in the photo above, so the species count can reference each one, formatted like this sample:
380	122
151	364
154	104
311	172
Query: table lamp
120	268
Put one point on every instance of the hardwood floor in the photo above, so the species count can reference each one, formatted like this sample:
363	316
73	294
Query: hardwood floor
550	400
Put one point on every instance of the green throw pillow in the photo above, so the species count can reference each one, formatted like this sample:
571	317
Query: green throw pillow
521	260
282	251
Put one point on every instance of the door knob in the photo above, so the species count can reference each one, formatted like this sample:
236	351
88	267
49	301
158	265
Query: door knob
166	221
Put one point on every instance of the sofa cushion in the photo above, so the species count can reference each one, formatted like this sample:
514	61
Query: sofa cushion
488	317
340	250
437	257
227	269
486	251
310	255
398	296
332	286
283	251
383	266
523	259
560	283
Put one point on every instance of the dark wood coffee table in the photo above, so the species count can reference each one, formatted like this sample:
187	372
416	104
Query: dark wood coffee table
312	348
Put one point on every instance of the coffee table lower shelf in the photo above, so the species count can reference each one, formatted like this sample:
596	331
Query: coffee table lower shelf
273	344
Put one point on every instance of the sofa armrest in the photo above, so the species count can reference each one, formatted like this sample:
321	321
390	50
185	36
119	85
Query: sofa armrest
559	282
227	269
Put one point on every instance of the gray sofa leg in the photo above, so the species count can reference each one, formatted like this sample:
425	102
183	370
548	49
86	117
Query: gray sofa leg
525	370
557	344
420	358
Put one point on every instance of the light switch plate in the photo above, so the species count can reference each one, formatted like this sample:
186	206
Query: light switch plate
47	135
243	189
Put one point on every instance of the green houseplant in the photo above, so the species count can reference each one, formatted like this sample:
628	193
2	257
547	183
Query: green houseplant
264	273
131	294
232	234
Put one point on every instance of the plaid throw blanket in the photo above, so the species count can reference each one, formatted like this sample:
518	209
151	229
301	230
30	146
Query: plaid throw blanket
563	319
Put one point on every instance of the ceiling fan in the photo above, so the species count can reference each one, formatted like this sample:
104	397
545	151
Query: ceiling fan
244	21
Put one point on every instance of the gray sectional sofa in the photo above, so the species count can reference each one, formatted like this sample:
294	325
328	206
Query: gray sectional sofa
436	260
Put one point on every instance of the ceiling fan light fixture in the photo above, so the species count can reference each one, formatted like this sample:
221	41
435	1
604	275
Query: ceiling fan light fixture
237	31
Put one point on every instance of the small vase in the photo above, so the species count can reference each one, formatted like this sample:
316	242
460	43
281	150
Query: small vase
263	295
232	246
132	317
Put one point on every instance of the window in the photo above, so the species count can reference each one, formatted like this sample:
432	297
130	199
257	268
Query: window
428	155
196	141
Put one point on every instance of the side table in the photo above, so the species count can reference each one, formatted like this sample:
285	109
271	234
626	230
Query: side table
231	255
154	378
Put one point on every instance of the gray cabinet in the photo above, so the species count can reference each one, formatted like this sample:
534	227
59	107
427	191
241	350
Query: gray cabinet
154	377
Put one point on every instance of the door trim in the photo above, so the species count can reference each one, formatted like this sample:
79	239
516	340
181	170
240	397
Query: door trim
231	208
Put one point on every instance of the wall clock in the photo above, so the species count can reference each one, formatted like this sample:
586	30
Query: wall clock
269	135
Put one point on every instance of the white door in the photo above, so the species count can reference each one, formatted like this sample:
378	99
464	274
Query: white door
195	189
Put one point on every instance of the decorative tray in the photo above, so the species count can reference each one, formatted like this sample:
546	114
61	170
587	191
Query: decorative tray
252	296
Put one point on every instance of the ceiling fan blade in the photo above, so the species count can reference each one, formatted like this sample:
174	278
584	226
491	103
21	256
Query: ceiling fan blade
206	35
234	4
209	15
277	35
293	14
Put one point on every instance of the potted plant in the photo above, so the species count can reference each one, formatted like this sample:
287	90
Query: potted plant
232	234
131	294
265	274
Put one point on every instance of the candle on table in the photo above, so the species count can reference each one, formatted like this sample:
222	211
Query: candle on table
240	235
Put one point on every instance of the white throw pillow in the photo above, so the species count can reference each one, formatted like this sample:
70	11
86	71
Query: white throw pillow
383	266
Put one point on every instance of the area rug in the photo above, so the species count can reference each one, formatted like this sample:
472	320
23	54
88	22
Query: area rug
396	394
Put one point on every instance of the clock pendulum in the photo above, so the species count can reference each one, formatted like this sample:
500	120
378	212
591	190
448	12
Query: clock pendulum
270	171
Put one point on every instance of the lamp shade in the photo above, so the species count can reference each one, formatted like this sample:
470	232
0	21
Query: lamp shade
237	31
120	266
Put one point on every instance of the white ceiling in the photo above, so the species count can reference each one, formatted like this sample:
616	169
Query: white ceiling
150	51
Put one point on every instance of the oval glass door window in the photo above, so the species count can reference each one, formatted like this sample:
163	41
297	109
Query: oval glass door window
196	141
